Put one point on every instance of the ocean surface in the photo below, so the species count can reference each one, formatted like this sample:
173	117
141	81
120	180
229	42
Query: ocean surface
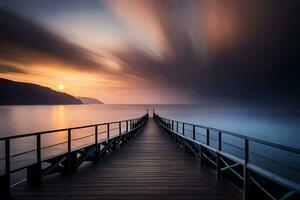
277	124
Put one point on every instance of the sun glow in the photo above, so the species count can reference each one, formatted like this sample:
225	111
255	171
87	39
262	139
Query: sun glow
61	87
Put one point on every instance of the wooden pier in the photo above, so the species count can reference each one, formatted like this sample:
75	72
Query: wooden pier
149	160
149	167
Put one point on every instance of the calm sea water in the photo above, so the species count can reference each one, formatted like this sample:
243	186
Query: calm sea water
278	124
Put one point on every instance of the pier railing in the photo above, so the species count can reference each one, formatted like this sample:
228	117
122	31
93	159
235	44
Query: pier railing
113	134
215	152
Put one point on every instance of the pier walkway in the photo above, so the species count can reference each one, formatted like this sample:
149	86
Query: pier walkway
148	167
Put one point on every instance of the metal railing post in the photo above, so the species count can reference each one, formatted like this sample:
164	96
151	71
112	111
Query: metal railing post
96	138
182	128
69	150
246	170
39	157
207	137
172	125
194	132
120	128
108	130
220	141
126	125
38	148
177	126
218	156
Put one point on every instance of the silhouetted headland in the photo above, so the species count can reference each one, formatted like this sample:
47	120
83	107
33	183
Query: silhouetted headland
18	93
88	100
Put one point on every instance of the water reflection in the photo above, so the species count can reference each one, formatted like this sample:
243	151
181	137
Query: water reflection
58	116
26	119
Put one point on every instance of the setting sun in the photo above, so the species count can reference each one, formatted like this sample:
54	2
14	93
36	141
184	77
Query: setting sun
61	87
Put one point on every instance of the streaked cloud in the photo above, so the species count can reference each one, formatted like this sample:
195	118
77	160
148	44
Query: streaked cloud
198	48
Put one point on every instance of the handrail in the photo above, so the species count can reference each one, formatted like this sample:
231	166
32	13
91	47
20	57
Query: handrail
131	126
172	127
275	145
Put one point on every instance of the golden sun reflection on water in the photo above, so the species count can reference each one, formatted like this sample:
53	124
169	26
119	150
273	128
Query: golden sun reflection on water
58	116
58	120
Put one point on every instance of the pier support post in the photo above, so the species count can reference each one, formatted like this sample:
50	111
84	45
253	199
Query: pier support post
34	172
200	156
5	179
73	163
34	175
4	185
246	171
114	144
218	166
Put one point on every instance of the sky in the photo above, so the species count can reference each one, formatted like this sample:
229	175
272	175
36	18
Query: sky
154	51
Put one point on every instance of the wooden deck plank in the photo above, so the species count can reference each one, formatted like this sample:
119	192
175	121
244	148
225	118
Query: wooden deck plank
149	167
